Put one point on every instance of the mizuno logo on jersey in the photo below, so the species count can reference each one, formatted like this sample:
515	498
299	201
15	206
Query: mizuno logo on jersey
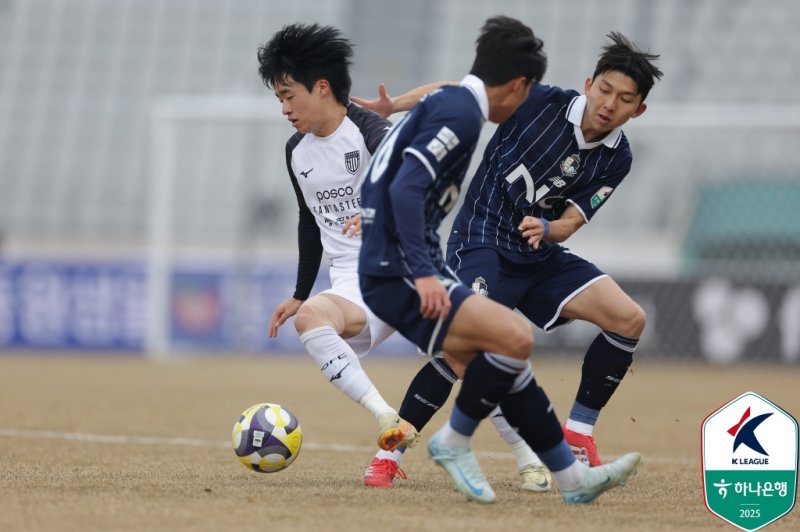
305	174
444	141
352	160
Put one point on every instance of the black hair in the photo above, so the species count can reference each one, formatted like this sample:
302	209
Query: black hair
506	49
621	55
308	53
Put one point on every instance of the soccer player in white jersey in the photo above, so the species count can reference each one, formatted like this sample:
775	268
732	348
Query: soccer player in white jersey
308	68
544	174
326	170
412	183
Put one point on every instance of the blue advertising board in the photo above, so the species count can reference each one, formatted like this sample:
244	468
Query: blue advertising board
102	306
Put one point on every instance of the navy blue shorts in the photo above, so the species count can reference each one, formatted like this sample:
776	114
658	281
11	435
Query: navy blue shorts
539	290
395	301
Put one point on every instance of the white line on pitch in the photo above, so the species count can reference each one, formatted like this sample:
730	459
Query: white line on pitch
191	442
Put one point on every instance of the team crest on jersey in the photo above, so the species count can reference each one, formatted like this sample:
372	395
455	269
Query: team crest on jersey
600	196
352	160
480	287
569	166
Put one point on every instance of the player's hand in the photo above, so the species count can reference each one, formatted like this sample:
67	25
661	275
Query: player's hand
283	311
533	230
434	302
352	227
382	105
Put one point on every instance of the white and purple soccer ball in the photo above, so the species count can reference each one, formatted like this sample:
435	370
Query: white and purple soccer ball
267	438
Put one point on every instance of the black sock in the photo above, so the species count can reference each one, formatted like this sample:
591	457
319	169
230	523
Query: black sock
604	366
487	380
530	412
427	392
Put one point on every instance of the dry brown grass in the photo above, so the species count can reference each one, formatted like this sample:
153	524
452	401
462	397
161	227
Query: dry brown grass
48	482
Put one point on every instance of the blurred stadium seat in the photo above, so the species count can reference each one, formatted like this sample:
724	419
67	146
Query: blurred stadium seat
741	227
78	77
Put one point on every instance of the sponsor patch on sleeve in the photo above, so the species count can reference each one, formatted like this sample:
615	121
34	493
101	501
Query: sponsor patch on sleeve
448	137
600	196
437	148
444	141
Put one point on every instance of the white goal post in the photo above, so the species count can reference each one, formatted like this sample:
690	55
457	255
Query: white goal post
168	116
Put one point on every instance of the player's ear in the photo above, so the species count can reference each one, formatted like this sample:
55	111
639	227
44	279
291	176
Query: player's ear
639	110
324	87
520	84
587	85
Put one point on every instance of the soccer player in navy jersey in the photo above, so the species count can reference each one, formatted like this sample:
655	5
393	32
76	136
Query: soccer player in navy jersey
412	183
308	68
544	174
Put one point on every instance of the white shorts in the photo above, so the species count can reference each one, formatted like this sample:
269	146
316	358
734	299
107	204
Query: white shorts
344	283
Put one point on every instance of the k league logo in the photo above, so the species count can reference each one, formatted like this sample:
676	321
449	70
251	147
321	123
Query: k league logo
749	459
744	432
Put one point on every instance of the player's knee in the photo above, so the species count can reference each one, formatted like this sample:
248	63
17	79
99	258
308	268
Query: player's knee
520	341
634	323
304	319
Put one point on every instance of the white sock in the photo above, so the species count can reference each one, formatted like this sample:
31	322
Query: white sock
570	478
451	438
579	427
395	456
522	453
338	362
374	402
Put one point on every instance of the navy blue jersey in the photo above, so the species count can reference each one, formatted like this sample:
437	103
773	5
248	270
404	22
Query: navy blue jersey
536	164
439	134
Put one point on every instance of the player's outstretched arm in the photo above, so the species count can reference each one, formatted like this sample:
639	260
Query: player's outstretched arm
385	105
382	105
283	311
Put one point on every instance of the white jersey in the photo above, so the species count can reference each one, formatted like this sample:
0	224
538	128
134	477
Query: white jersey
327	173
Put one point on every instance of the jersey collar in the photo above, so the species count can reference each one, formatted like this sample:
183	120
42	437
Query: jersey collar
575	115
478	89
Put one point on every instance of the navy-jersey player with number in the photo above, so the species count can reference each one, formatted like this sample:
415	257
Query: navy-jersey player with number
412	183
544	174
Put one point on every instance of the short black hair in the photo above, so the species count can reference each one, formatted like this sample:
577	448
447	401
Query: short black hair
507	48
621	55
308	53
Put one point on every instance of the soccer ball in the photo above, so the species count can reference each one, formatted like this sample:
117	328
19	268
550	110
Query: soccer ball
267	438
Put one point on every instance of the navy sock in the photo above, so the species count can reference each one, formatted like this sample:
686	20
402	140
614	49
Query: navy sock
530	411
604	366
583	414
427	392
487	380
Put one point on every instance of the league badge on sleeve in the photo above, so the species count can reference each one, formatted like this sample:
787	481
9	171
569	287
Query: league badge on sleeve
749	460
600	196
